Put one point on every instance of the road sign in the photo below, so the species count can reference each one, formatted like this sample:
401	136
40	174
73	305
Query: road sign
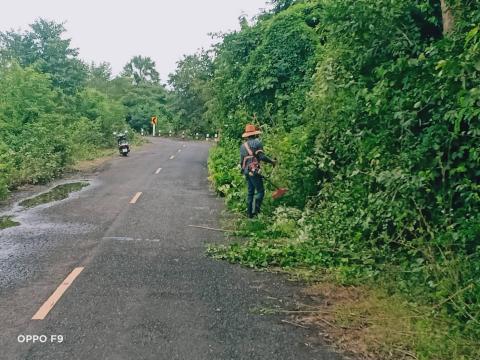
154	123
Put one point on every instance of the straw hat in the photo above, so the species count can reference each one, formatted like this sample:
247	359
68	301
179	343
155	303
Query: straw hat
250	130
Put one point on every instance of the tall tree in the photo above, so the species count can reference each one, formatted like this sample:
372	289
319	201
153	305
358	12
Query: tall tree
102	71
141	70
99	76
45	48
144	101
190	90
447	17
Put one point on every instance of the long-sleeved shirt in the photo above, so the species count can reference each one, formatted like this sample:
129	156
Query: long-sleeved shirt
257	149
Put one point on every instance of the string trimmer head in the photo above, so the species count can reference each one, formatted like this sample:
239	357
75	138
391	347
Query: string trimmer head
277	194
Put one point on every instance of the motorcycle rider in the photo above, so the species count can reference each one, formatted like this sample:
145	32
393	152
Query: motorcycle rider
122	143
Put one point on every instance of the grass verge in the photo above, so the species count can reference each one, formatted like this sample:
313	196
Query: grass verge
93	160
6	222
372	324
59	192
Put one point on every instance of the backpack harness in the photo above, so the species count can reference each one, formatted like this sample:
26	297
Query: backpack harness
254	165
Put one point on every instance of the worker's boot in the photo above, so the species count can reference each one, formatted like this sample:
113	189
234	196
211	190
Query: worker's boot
258	204
250	209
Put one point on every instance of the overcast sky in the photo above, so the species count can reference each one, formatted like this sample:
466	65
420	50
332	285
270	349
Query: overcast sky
114	31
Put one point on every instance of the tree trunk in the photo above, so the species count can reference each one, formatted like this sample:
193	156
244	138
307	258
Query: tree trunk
447	17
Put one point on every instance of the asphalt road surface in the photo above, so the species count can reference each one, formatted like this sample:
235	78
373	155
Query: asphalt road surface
127	278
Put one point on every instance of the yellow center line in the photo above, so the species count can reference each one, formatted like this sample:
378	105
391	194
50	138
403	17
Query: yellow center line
57	294
135	198
158	170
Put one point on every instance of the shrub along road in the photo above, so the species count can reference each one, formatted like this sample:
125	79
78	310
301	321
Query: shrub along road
140	285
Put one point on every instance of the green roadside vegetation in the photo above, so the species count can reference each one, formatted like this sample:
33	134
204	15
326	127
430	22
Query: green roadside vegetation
6	222
373	110
56	110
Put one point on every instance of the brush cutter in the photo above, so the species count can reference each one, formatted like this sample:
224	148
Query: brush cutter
279	192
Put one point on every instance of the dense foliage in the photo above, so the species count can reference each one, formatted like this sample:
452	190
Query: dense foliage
55	109
190	93
373	113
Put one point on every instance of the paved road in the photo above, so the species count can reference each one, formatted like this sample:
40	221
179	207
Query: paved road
147	290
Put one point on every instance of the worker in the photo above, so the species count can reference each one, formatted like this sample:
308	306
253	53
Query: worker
251	154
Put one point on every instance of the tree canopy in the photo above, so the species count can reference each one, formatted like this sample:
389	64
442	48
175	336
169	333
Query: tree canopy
141	70
44	48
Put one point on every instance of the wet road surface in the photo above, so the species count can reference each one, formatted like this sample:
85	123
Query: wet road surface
142	286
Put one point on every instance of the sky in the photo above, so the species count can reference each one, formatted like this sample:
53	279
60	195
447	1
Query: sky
115	31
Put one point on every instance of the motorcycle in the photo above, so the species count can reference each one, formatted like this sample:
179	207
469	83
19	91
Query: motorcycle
123	146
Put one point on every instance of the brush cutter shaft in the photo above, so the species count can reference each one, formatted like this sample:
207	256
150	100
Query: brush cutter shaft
269	181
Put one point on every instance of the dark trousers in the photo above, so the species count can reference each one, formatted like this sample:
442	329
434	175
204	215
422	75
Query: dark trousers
255	190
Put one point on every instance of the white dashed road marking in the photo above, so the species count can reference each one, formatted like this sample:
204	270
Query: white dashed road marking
158	171
172	157
123	238
179	150
135	198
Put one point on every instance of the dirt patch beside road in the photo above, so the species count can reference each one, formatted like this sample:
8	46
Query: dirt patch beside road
85	166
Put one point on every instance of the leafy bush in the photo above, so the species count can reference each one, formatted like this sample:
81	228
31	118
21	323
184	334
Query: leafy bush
380	156
225	173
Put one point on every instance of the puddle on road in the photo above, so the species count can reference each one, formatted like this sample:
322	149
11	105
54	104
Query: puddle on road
6	222
59	192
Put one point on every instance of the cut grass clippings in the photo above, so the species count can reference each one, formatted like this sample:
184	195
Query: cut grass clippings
59	192
367	321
